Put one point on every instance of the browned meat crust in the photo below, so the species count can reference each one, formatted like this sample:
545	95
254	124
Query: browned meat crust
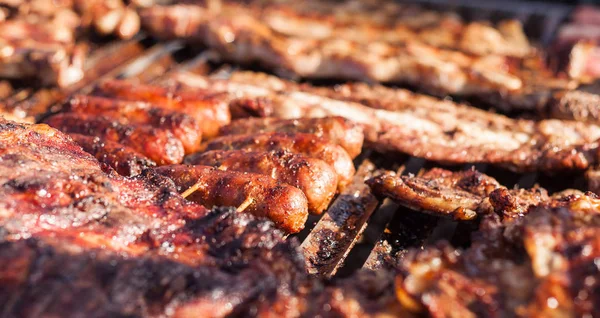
544	264
124	160
182	126
336	129
301	143
314	177
427	127
255	193
159	145
210	110
463	195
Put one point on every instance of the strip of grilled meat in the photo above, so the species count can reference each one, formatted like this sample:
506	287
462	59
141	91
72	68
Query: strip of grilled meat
159	145
181	125
544	264
463	195
423	126
240	37
384	21
313	176
307	144
211	110
336	129
254	193
124	160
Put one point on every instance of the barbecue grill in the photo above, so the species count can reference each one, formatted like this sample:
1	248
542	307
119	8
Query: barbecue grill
358	230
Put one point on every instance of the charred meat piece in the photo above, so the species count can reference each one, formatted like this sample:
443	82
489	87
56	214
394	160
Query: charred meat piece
463	195
336	129
439	130
301	143
159	145
512	269
181	125
210	110
124	160
313	176
254	193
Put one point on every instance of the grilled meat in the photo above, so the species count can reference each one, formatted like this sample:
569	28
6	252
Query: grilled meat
210	110
181	125
78	241
240	37
535	266
44	51
124	160
159	145
301	143
254	193
463	195
439	130
314	177
336	129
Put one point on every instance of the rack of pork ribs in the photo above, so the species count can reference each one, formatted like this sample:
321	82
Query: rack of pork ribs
165	182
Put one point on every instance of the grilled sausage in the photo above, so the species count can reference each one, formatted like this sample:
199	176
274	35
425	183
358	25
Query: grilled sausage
209	109
306	144
184	127
160	146
313	176
124	160
285	205
337	129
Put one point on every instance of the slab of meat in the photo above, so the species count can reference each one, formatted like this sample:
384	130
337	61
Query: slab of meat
124	160
159	145
301	143
210	110
242	38
313	176
543	264
336	129
463	195
423	126
182	126
254	193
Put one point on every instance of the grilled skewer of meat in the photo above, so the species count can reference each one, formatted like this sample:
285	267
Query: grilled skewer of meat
314	177
306	144
211	111
463	195
124	160
181	125
159	145
336	129
256	193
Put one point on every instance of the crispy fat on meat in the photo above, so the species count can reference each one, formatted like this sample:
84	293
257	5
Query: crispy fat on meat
336	129
254	193
307	144
158	145
313	176
209	109
463	194
124	160
183	126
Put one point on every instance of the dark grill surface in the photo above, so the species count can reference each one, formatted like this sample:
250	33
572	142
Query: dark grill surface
358	230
